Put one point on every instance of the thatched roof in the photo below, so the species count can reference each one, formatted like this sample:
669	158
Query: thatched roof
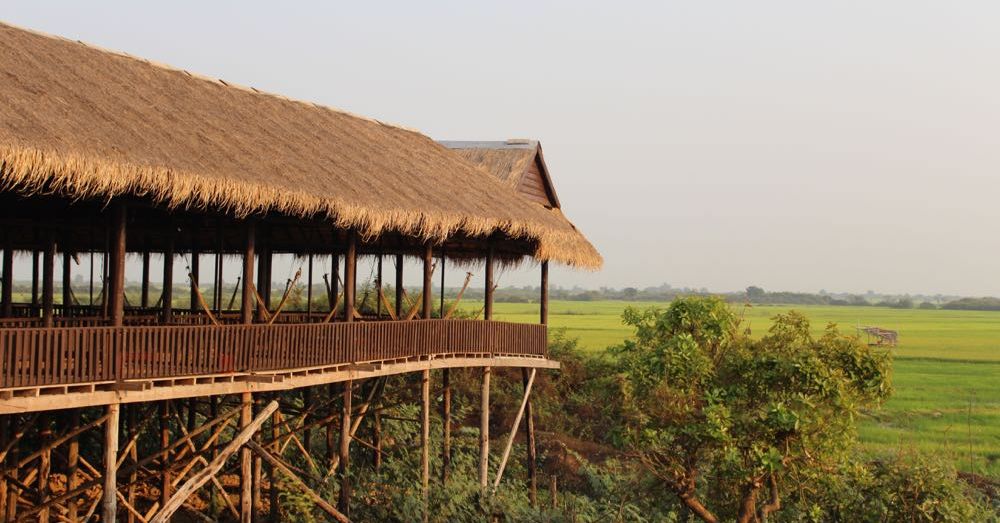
88	123
510	161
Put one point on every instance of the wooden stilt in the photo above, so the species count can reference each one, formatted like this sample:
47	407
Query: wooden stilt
109	509
274	515
72	465
484	429
213	412
344	498
553	493
4	436
425	436
44	465
246	459
316	498
307	406
377	440
446	429
513	429
131	418
331	452
10	465
165	482
529	437
257	471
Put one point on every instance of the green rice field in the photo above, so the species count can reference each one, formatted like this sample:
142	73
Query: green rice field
946	371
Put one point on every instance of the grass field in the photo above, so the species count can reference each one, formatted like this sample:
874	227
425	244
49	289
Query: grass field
946	371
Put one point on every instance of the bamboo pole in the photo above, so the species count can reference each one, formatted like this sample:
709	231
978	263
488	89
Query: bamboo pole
513	430
165	484
425	433
240	442
446	419
344	497
246	464
109	511
484	429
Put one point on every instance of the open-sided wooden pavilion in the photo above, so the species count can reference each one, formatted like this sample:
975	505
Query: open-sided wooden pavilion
103	153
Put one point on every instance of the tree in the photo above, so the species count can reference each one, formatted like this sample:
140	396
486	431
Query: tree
701	397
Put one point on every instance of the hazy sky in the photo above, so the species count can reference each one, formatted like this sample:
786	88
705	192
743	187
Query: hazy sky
792	145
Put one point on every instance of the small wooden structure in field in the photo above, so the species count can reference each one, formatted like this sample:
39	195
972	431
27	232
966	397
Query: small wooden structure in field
879	337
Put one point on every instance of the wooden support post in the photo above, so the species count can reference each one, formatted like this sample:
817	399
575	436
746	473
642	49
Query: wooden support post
11	469
488	305
307	405
334	279
219	248
247	299
344	497
165	481
543	301
428	283
309	288
378	288
350	276
72	465
144	294
105	276
442	283
316	498
48	273
331	447
109	509
484	429
446	418
399	285
44	465
246	460
553	492
195	274
67	284
4	438
264	283
168	280
274	515
132	420
425	436
529	438
7	299
116	287
34	278
377	439
256	500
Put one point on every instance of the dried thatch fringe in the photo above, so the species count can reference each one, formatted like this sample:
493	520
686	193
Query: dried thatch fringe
30	171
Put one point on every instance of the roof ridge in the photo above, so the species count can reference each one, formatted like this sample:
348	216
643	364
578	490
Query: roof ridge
206	78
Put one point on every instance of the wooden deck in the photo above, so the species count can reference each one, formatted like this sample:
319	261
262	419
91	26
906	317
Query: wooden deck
66	357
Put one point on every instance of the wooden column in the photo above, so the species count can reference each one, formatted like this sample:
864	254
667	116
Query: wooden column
309	287
34	278
72	464
67	288
10	467
109	508
168	280
378	288
7	299
428	283
246	462
399	285
132	421
446	429
488	305
263	282
195	275
543	300
165	486
350	275
442	283
484	429
344	497
425	436
246	302
116	286
144	295
334	278
274	514
48	272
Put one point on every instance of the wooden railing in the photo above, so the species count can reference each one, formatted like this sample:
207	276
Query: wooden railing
35	357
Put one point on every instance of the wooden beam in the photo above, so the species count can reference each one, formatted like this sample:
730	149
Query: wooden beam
316	498
203	476
109	509
484	429
116	287
246	303
513	429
